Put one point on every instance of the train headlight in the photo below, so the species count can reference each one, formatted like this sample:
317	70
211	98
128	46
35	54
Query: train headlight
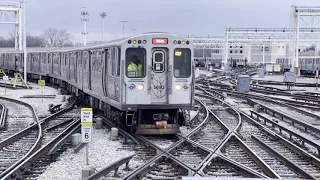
140	87
178	87
144	42
134	42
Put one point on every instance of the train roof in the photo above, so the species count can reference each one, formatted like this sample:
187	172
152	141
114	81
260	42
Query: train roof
115	42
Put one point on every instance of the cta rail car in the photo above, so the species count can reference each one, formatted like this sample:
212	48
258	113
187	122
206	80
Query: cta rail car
307	64
143	83
200	62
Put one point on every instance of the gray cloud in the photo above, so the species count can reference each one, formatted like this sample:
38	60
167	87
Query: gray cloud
201	17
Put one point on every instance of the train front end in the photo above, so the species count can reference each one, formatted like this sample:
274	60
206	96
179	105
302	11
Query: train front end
158	83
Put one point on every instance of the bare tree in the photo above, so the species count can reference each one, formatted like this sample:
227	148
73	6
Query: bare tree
54	37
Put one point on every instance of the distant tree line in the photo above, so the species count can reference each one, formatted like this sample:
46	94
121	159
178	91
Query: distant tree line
50	37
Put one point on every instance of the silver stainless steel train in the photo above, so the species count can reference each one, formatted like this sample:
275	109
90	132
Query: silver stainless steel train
152	103
307	64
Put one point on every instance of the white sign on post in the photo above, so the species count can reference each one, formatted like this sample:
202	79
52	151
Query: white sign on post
86	134
6	78
86	123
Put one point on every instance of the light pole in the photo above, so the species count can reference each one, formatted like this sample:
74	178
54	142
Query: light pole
134	31
24	42
85	13
103	16
123	27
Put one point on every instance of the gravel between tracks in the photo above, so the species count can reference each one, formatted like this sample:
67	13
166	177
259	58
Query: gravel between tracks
102	152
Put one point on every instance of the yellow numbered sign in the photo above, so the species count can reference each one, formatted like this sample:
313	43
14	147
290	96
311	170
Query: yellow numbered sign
41	82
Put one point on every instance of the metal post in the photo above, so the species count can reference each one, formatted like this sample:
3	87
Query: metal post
87	153
134	31
249	53
263	46
85	13
123	27
102	29
25	42
226	48
103	15
16	31
20	28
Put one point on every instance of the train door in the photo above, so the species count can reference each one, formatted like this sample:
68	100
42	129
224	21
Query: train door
105	72
89	70
79	68
159	79
50	66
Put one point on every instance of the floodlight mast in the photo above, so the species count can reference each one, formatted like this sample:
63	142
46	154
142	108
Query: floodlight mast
103	15
134	31
123	27
85	13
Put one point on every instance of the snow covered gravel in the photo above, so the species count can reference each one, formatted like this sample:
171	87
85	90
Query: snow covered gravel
18	118
102	152
40	107
280	78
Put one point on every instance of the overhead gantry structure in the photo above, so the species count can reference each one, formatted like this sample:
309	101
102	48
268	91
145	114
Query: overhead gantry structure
304	17
305	30
11	13
268	37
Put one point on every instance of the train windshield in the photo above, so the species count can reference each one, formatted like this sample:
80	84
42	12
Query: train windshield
135	62
182	63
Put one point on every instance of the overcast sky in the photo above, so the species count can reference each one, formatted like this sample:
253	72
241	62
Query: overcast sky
183	17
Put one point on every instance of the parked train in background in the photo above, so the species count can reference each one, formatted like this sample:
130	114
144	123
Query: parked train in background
237	62
199	61
308	64
152	101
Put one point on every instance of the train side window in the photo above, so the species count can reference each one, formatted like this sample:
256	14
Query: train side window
182	63
118	62
136	62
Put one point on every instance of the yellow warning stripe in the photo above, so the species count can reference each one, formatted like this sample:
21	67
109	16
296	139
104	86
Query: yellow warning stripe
86	123
86	109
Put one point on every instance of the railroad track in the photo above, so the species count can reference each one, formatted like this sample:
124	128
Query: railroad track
17	148
262	153
3	116
19	116
182	158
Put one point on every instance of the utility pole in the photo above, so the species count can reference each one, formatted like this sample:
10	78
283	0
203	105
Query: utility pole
85	13
134	31
103	16
123	27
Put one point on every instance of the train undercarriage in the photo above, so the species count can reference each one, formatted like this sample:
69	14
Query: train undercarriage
142	121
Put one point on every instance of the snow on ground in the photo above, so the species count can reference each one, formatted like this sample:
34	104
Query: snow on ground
40	107
198	72
193	114
280	78
295	88
102	152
